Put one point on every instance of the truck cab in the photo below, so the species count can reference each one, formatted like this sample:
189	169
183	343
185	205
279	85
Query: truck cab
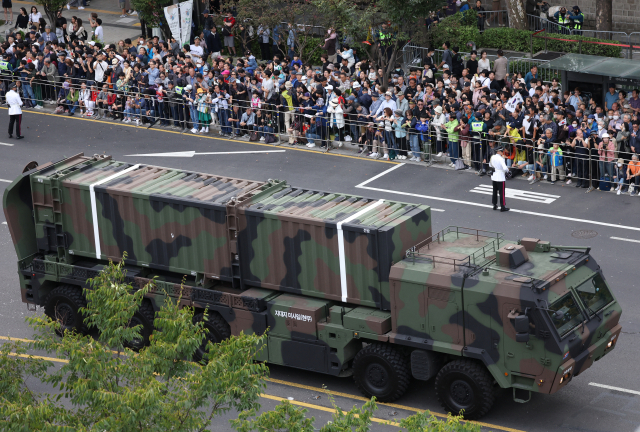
533	314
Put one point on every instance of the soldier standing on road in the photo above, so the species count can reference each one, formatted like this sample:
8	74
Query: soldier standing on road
498	178
15	112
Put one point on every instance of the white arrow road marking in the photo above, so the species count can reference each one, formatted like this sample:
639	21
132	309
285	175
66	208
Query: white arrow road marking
5	144
192	153
620	389
518	194
4	223
6	181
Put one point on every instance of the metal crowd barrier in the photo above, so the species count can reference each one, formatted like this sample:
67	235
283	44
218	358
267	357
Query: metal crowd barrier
373	138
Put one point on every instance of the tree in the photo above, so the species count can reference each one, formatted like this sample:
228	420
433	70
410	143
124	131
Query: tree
385	26
517	13
51	8
283	16
152	13
110	387
104	385
604	21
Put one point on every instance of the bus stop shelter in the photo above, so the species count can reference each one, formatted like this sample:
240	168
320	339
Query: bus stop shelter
593	74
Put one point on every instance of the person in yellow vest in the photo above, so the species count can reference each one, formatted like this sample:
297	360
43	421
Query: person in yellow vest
577	20
563	18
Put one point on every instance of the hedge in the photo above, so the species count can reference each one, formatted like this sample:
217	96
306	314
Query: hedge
520	40
455	29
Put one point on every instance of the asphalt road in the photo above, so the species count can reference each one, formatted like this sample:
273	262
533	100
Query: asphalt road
543	211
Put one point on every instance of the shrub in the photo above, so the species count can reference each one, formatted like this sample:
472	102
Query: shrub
520	40
456	30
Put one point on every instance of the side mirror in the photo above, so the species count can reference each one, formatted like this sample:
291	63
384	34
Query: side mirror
521	324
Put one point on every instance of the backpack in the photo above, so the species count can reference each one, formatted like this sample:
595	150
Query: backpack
254	136
269	138
605	183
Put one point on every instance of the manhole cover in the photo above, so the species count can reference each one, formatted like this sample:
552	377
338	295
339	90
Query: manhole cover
584	234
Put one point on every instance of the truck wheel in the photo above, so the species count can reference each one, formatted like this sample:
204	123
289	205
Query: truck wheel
464	385
144	316
217	330
380	370
63	305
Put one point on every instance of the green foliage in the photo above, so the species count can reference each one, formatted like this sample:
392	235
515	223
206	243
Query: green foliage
286	417
152	12
51	8
455	30
425	421
520	40
109	387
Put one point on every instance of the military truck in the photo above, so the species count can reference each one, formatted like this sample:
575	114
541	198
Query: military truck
343	285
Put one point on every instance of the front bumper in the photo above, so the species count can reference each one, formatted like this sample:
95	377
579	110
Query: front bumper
585	359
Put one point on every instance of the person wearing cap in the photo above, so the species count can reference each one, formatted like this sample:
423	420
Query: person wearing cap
286	101
196	50
388	102
607	148
498	178
438	122
336	120
15	112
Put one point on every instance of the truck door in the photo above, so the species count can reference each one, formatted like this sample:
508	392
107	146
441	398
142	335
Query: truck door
444	320
527	358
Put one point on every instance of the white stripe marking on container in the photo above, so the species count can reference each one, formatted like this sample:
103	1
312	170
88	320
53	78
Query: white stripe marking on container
94	213
343	264
620	389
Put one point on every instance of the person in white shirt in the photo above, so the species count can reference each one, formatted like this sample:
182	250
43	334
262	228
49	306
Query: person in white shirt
387	103
99	32
498	178
100	67
196	50
15	112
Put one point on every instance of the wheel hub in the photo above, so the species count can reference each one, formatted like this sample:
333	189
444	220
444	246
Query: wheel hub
461	393
377	375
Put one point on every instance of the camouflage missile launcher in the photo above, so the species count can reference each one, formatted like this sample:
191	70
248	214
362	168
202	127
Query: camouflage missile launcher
345	285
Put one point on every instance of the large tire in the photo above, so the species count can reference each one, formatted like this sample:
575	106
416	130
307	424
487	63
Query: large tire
63	305
382	371
144	316
217	330
465	385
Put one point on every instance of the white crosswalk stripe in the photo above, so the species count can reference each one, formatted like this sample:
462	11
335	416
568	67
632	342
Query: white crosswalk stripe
542	198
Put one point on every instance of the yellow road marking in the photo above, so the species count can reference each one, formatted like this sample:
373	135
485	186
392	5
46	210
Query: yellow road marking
15	339
216	138
317	407
305	387
51	359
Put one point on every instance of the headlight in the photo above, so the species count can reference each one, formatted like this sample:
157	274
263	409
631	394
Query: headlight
609	344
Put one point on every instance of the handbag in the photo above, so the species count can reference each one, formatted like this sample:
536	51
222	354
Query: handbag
269	138
459	165
254	136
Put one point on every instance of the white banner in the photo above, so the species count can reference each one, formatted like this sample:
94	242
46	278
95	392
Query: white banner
186	9
179	20
171	14
513	102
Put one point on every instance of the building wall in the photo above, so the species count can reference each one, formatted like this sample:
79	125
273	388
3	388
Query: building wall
626	13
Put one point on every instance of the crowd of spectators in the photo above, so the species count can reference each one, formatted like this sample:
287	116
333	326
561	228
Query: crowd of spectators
450	111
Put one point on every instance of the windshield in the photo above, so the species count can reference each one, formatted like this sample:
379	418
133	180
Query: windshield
595	294
565	314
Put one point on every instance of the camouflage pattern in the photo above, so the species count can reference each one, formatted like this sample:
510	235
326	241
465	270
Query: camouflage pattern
265	255
290	238
428	288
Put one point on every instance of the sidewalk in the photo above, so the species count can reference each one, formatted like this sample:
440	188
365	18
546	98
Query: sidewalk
115	28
